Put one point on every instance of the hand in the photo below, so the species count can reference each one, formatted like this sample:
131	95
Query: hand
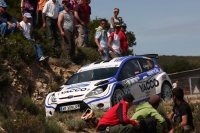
82	23
100	49
18	25
62	33
137	124
11	25
171	131
44	25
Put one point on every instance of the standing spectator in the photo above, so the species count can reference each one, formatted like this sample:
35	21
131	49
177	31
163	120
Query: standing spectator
148	111
175	85
80	23
114	42
181	113
73	5
40	6
101	40
116	121
66	26
61	7
86	9
25	27
114	20
50	19
123	39
8	24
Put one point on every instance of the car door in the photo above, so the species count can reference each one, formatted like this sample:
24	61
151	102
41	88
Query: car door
129	75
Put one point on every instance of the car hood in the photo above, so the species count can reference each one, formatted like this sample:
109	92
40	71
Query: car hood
80	89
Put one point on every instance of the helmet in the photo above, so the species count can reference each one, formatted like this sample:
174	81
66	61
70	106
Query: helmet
89	117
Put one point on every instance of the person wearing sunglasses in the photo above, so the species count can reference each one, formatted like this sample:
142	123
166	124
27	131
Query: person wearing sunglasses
8	24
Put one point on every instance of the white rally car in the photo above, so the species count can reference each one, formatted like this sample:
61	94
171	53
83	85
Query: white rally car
101	84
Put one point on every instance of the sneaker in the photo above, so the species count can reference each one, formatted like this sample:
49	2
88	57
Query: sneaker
43	58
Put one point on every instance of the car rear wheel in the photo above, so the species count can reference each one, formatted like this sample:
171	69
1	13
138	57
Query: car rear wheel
166	92
117	96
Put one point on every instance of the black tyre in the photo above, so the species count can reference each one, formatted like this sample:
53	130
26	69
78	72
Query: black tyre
117	96
166	92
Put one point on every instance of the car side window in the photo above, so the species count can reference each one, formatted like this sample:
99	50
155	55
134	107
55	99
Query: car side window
130	69
146	64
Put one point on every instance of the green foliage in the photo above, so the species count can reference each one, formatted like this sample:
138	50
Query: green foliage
28	104
23	123
131	38
4	111
54	86
52	127
87	55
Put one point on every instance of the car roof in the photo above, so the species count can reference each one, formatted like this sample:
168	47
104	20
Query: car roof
115	62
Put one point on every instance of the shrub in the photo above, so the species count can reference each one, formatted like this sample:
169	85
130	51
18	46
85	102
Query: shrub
52	127
54	86
23	123
28	104
4	111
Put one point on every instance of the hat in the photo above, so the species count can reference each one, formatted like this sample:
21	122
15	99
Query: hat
27	15
123	25
117	26
154	100
128	98
3	4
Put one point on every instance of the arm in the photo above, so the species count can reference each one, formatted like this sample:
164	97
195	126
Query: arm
44	11
109	44
98	34
60	19
78	18
171	115
112	21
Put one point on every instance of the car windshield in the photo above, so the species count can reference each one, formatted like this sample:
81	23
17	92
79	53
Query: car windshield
91	75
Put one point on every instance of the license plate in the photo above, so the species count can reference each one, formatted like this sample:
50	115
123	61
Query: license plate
70	107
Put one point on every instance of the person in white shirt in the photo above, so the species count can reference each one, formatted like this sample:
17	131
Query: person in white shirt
114	43
50	18
25	27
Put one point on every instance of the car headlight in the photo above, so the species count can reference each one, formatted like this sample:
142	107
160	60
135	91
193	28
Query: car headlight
95	92
53	98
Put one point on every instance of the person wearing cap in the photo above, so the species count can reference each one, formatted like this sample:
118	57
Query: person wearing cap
8	24
61	7
115	119
66	27
101	40
80	23
181	113
148	115
114	42
123	39
25	27
50	18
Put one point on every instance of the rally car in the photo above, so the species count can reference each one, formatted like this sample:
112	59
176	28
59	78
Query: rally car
101	85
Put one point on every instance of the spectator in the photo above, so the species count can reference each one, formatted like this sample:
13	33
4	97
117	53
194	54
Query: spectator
25	27
29	7
148	115
86	9
73	5
50	19
181	113
101	40
80	23
61	7
116	121
123	40
40	6
8	24
120	20
66	26
114	20
175	85
114	42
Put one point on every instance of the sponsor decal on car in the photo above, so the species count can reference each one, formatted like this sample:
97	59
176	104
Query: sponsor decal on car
119	59
148	85
74	90
78	86
153	71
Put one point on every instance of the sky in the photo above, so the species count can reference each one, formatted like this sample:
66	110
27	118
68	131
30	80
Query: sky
164	27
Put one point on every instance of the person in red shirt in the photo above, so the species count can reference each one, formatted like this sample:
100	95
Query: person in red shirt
123	39
116	121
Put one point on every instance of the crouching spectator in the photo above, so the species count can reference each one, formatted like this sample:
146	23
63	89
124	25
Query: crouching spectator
8	24
25	26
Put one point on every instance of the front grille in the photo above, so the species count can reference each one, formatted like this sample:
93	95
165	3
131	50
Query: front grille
83	105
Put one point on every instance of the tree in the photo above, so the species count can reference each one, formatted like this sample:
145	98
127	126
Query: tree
131	38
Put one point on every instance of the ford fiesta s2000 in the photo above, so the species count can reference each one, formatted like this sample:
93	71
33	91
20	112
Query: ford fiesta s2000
101	84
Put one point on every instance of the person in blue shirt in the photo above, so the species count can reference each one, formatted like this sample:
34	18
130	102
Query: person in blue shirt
8	24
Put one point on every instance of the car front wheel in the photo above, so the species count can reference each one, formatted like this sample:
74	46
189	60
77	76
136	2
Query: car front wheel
117	96
166	92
